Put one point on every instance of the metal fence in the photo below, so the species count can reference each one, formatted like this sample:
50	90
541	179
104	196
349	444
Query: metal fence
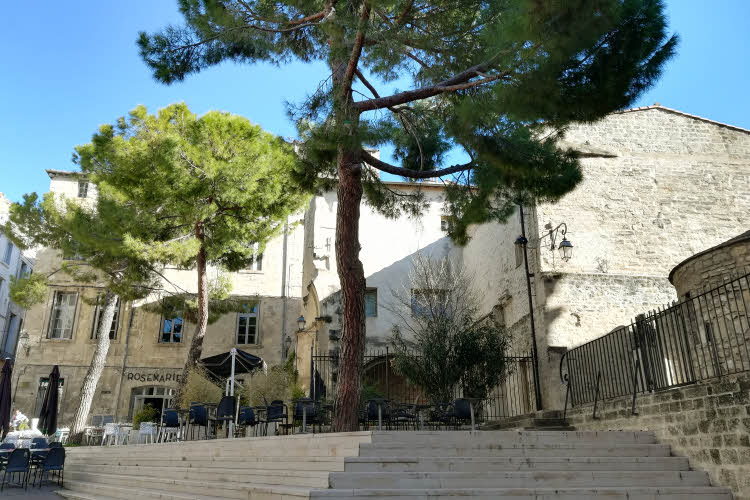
514	396
703	336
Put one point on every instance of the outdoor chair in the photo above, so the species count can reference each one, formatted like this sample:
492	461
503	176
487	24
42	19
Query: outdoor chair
4	453
198	417
225	413
96	420
39	442
147	432
461	412
55	444
53	462
276	412
307	412
170	426
38	448
108	419
378	412
246	419
442	414
18	463
93	434
111	434
404	415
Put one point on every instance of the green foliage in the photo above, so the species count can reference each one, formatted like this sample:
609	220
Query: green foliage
369	391
29	290
199	388
280	382
218	172
442	344
147	414
518	73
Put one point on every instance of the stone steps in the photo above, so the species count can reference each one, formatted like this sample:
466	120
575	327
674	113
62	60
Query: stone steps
559	465
487	464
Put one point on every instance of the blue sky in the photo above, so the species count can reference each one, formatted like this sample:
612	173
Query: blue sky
67	67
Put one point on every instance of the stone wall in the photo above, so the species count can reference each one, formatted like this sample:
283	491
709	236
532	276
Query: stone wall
708	422
712	267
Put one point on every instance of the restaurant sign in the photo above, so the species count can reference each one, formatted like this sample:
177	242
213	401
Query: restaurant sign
154	375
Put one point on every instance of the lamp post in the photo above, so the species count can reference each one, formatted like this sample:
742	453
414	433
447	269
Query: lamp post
566	252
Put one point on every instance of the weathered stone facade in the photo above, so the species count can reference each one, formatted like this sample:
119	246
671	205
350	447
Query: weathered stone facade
708	422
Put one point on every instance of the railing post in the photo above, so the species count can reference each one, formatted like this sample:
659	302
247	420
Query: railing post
596	394
387	367
567	392
636	367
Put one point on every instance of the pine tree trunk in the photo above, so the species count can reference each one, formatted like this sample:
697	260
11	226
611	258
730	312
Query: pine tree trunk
96	367
352	278
196	345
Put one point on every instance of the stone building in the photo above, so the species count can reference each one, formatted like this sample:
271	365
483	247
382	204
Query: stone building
659	185
13	264
148	352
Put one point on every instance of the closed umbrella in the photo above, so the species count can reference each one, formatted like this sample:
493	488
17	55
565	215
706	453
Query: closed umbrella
5	397
48	415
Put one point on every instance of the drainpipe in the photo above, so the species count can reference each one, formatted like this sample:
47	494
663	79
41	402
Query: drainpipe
284	277
124	358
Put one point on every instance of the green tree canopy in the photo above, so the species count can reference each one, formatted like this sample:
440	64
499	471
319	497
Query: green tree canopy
497	79
218	187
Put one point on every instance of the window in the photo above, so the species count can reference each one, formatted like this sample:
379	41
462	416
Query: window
171	330
42	391
247	324
98	321
445	224
256	264
425	303
8	252
24	271
371	302
63	314
83	189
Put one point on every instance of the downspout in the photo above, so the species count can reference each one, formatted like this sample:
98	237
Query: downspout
124	358
284	277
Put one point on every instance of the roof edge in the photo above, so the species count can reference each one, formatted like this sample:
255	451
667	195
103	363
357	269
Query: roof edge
737	239
682	113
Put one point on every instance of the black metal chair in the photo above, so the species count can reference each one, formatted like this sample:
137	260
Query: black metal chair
307	412
170	425
198	417
55	444
4	453
275	412
18	463
462	412
38	448
378	412
53	462
442	414
225	412
246	418
404	415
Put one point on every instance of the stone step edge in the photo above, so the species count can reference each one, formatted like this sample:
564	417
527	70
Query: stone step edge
289	491
208	470
627	492
199	483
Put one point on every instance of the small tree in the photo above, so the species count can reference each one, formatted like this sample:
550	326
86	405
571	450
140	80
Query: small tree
215	182
99	237
440	342
499	80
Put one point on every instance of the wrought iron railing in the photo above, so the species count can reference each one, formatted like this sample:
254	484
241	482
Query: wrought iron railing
703	336
514	396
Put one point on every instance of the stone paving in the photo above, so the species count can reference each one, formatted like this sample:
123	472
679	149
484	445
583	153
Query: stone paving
43	493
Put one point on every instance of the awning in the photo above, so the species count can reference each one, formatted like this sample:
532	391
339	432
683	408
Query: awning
220	365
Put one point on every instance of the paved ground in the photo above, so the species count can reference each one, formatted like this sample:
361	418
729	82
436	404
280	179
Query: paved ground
45	493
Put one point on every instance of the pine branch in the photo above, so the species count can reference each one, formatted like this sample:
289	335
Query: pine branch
410	173
356	50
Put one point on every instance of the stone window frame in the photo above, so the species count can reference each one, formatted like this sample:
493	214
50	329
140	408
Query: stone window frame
171	333
83	189
415	292
8	254
256	263
253	313
115	321
52	319
371	292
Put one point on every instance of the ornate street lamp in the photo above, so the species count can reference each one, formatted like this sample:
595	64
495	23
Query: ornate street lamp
301	323
566	249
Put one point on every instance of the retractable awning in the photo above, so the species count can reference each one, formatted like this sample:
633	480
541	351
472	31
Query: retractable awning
220	365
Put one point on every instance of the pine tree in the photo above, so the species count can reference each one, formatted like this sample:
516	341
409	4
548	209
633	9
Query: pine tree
98	235
497	79
219	187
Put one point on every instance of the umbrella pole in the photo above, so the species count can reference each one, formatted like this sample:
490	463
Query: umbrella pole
231	393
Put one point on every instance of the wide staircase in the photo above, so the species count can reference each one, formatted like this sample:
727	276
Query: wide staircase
539	465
